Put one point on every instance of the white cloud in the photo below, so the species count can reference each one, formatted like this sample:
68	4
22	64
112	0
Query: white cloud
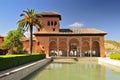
76	24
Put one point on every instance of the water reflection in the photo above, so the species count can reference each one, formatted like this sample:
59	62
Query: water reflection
53	66
82	70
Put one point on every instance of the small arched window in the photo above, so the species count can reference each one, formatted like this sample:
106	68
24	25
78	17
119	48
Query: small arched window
53	29
38	43
52	23
48	23
38	29
55	23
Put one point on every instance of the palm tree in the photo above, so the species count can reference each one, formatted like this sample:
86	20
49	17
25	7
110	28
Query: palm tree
29	20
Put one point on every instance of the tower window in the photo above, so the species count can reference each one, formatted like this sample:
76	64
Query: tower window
38	43
53	29
52	23
48	23
55	23
38	29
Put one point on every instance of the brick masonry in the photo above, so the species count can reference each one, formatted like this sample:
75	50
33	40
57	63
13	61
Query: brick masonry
49	39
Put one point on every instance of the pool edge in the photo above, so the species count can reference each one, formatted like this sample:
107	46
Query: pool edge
21	72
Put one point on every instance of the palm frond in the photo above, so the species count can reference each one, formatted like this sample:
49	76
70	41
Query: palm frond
21	24
38	23
26	12
22	15
30	20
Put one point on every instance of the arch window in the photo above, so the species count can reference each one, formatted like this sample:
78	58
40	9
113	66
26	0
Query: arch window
53	29
38	29
38	43
52	23
48	23
55	23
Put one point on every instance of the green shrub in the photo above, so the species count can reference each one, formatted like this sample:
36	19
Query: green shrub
115	56
10	61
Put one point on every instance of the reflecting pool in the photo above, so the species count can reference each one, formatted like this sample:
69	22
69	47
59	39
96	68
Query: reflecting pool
80	70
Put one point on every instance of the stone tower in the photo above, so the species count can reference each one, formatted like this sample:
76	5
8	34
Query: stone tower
50	21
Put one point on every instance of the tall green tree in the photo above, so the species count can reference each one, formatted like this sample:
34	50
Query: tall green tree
29	20
12	41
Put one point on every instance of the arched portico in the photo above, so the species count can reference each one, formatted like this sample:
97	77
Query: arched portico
85	48
95	49
74	47
63	48
52	48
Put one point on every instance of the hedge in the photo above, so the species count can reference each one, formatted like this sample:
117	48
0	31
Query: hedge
115	56
7	62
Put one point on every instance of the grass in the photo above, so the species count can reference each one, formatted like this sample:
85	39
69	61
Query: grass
6	56
16	55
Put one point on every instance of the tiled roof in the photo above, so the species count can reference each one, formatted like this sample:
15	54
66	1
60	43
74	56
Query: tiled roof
24	38
82	31
27	39
47	14
74	31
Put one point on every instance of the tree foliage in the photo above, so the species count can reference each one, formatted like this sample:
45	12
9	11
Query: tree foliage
12	41
115	43
29	20
115	48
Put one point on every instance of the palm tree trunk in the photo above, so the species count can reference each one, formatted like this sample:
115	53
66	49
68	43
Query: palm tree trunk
31	39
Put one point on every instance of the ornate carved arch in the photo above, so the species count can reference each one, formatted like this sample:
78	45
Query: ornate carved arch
63	47
96	48
74	42
85	48
53	45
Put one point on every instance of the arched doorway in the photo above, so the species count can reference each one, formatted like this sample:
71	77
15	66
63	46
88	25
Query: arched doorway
52	48
74	47
85	49
95	49
63	48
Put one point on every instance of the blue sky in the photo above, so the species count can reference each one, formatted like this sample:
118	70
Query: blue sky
99	14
